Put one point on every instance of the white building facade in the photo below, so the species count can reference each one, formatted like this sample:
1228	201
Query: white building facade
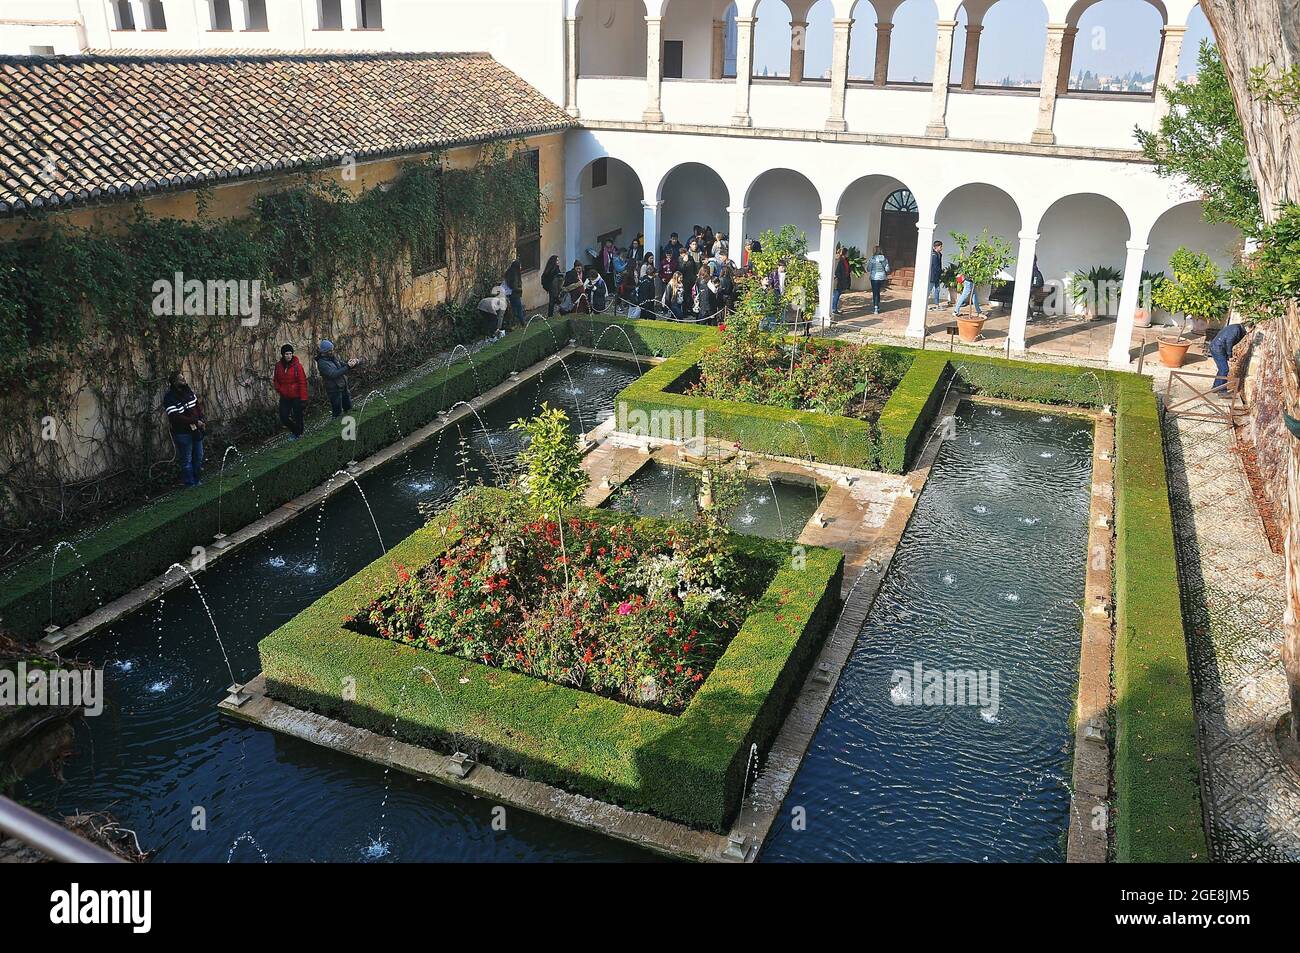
676	129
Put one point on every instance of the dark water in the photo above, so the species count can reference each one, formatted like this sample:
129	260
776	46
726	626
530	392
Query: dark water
776	510
161	759
993	555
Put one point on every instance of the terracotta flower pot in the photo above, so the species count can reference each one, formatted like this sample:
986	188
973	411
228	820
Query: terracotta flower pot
968	329
1173	351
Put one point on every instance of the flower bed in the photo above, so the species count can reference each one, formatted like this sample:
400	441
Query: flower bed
688	766
828	377
639	612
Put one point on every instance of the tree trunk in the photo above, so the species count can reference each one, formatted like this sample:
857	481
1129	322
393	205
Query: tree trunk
1254	34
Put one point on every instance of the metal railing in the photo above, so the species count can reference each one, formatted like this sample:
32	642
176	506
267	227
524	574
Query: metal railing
50	838
1211	403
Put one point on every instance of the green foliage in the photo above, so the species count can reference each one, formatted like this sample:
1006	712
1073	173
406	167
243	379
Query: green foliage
789	245
857	261
554	479
983	259
1201	140
688	767
752	366
1194	289
1269	281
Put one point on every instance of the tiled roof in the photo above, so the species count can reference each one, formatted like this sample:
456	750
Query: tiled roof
84	128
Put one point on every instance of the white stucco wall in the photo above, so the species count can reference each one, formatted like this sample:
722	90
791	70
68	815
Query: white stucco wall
693	195
614	205
973	208
1079	233
784	197
612	38
1184	225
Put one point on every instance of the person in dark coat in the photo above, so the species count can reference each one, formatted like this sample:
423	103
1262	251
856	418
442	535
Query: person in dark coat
188	426
1221	350
551	281
291	384
334	372
514	287
936	273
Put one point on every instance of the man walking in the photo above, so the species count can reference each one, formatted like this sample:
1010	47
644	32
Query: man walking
188	426
936	274
334	372
291	385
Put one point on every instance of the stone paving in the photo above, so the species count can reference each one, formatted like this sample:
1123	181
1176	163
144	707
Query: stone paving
1233	600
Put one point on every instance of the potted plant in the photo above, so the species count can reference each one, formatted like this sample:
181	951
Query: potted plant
1095	292
983	263
1194	292
1145	314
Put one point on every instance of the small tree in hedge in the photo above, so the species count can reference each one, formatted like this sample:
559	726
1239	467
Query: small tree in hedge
791	246
552	461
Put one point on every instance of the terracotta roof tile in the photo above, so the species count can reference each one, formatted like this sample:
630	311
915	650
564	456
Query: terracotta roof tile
110	124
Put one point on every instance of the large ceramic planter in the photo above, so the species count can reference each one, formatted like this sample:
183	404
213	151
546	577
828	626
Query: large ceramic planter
969	329
1173	351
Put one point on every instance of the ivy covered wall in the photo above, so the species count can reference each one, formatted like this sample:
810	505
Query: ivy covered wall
87	343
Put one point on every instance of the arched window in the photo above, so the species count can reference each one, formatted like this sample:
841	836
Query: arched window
123	18
901	200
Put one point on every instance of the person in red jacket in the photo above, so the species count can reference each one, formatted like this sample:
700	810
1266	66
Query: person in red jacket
291	385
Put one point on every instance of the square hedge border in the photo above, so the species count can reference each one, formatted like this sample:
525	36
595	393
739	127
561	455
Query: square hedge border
127	550
688	767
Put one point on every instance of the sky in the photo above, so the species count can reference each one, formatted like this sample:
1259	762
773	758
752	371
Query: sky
1115	37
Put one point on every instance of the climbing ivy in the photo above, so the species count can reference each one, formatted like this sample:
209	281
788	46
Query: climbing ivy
81	336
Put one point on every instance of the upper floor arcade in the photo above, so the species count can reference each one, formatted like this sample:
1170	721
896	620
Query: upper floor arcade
854	66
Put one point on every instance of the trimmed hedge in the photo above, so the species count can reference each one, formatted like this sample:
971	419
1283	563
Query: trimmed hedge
1158	816
126	551
689	767
844	441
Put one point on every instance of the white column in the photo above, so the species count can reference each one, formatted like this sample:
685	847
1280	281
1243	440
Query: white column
942	67
826	267
572	229
744	64
839	75
239	16
736	233
1044	134
1128	302
654	68
137	14
1171	51
571	67
650	212
1024	288
349	10
798	49
921	280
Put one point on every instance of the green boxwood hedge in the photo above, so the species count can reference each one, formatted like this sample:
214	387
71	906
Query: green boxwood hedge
126	551
689	767
842	441
1158	816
